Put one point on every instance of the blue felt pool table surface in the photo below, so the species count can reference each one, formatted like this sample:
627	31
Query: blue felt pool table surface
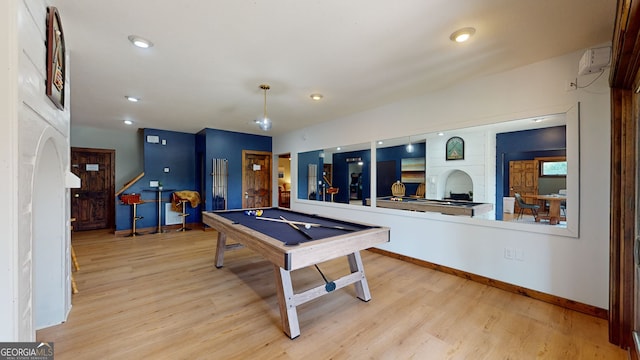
284	232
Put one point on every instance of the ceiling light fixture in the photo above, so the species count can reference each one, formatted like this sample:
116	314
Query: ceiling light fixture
128	122
132	98
462	35
409	147
140	42
316	97
264	122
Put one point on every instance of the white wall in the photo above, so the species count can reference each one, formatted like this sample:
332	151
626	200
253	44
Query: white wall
127	143
568	267
33	126
10	317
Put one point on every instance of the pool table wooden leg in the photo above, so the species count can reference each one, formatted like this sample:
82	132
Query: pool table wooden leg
222	244
288	312
362	287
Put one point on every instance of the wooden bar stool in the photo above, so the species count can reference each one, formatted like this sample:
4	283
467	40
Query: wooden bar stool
179	200
135	218
133	200
184	214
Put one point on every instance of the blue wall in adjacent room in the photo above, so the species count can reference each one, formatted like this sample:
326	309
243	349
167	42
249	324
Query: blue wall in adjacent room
524	145
397	153
221	144
304	160
342	175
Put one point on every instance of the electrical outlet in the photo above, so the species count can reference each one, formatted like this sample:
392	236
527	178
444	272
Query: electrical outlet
508	253
570	85
519	254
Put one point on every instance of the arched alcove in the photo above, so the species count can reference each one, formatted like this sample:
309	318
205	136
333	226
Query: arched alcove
49	240
458	184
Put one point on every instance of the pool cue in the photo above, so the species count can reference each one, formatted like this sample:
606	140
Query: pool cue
306	223
306	234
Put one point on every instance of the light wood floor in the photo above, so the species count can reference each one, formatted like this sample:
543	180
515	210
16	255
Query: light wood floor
160	297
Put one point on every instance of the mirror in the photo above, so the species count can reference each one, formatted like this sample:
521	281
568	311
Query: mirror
478	166
476	171
340	174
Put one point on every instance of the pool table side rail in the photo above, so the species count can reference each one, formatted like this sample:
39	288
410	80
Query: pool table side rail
315	252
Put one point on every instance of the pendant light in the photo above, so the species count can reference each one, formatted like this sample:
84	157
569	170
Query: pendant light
264	122
409	147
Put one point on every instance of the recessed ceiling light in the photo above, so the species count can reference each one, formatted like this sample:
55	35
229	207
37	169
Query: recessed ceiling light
338	148
440	134
380	142
128	122
140	42
316	97
132	98
463	34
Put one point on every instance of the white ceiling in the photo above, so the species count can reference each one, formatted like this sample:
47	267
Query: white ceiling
210	56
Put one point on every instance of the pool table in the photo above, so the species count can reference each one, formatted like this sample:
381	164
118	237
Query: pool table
448	207
293	240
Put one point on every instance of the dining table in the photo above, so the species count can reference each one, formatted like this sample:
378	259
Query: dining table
555	201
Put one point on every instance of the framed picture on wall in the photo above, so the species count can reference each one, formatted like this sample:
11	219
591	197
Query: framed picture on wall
455	148
56	68
412	170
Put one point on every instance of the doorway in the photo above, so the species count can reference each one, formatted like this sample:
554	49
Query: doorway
284	180
92	205
50	269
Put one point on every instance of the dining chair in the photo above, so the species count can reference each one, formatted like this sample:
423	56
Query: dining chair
524	206
563	204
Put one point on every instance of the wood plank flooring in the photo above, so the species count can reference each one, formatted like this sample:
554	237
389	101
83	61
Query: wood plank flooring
160	296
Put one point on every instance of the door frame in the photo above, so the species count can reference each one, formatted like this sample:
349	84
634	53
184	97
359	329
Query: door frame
624	79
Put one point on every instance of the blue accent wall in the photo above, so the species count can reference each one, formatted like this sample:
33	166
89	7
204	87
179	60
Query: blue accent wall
178	155
221	144
189	159
524	145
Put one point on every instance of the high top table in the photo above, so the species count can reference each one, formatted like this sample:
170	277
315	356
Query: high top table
159	190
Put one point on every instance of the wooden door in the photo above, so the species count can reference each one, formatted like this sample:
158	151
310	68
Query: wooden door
523	178
386	177
256	179
92	205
